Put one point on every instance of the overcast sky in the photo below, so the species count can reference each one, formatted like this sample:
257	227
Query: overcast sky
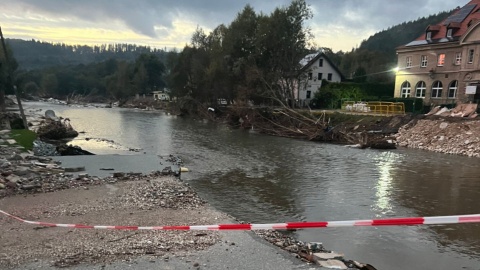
336	24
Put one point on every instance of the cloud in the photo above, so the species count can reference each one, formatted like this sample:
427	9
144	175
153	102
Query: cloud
156	19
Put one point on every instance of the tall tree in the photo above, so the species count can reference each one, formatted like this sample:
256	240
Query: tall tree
282	42
8	65
119	85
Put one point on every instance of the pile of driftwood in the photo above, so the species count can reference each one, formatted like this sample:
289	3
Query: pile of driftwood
56	129
303	124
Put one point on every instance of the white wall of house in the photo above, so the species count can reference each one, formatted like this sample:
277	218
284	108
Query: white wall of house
312	79
160	95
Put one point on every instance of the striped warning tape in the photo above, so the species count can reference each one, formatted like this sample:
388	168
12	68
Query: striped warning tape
277	226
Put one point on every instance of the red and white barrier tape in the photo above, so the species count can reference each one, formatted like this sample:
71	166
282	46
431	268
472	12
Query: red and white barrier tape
277	226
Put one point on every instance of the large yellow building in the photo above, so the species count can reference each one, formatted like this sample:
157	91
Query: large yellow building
443	65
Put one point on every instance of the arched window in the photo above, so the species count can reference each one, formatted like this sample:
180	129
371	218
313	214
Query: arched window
437	89
406	89
420	89
452	89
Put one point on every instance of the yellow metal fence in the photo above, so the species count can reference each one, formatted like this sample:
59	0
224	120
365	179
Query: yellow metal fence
374	107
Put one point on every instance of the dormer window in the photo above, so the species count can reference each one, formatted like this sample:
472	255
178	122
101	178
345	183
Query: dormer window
431	29
429	35
449	33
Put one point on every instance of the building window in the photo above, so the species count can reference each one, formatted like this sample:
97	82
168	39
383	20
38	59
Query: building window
409	62
309	75
452	89
429	35
420	89
437	89
406	90
309	94
458	58
320	76
329	76
441	60
449	32
423	61
471	54
320	62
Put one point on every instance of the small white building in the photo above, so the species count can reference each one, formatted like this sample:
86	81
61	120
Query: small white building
161	95
315	68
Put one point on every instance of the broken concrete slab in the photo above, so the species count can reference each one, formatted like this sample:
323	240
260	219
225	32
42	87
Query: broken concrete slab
332	264
327	255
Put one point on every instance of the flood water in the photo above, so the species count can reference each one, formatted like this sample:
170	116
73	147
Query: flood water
264	179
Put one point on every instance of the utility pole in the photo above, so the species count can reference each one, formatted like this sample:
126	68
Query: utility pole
10	84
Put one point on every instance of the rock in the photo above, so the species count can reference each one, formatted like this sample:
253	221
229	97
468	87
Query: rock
332	264
13	178
327	255
20	171
44	149
315	246
29	187
75	169
15	157
2	186
50	114
69	150
118	174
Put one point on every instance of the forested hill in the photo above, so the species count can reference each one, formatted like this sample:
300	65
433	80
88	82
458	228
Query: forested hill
377	54
387	40
34	54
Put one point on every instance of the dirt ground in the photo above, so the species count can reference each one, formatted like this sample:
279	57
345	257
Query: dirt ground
136	203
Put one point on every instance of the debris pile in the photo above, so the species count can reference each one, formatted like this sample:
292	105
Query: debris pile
444	135
52	129
311	252
461	110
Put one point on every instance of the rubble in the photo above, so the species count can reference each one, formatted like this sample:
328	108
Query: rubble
442	134
312	252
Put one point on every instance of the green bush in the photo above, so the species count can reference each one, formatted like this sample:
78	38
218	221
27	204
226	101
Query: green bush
24	137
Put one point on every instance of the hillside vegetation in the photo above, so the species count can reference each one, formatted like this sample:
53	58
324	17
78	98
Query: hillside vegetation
234	62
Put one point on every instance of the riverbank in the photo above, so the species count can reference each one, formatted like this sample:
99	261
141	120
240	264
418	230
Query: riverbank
442	134
39	189
147	200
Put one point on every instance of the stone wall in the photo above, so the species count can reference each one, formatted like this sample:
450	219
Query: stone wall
444	135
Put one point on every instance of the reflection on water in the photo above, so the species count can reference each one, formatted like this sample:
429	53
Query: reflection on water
260	178
384	184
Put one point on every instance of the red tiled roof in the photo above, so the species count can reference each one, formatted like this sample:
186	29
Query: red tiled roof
454	25
459	28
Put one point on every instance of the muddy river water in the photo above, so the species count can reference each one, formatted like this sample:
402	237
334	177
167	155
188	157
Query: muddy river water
264	179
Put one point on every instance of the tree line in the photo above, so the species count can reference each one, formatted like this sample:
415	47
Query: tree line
255	59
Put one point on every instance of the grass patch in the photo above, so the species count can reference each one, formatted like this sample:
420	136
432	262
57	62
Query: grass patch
24	137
